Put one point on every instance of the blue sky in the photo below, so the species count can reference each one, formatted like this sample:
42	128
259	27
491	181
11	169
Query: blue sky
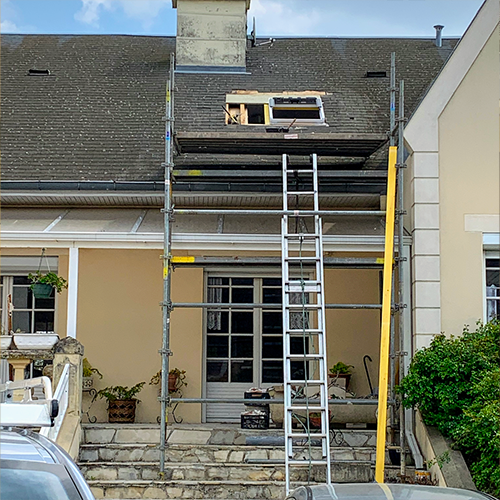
273	17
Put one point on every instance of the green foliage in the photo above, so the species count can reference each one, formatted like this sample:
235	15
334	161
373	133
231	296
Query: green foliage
120	393
455	383
89	370
180	378
341	368
51	279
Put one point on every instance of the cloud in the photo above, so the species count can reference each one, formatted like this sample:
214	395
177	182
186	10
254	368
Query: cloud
280	18
9	27
144	11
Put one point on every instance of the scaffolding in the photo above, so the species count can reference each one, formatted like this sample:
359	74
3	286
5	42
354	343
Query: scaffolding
221	143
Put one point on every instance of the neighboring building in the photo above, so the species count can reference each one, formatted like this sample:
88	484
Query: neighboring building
453	183
82	142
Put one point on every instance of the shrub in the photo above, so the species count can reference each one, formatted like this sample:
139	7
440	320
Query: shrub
455	383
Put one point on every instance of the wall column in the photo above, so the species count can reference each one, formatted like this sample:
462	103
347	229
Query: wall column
72	292
426	278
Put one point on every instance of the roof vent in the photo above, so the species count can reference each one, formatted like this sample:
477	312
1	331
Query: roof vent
39	72
438	41
376	74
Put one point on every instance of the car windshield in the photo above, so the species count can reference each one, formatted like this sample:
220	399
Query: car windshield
35	481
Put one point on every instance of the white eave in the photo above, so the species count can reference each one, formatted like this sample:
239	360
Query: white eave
421	133
143	228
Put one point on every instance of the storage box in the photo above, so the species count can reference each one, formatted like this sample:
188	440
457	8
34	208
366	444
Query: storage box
255	421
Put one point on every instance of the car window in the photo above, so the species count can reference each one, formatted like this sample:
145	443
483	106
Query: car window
35	481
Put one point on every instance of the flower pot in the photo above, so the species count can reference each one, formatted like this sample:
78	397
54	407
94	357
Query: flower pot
25	341
122	411
5	341
346	377
42	290
172	382
315	420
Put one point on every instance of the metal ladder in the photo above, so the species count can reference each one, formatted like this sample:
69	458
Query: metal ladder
304	335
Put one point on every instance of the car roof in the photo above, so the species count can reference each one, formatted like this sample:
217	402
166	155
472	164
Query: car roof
375	491
22	445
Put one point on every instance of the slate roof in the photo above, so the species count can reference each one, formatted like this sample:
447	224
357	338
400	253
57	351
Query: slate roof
98	116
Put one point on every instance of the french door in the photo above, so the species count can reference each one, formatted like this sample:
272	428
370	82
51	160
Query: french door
243	347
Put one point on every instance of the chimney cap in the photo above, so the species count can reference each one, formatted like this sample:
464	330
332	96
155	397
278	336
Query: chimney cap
439	27
174	4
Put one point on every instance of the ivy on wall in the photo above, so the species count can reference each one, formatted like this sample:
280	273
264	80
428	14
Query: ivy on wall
455	383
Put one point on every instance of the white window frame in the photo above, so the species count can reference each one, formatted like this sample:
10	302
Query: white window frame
299	121
487	255
8	288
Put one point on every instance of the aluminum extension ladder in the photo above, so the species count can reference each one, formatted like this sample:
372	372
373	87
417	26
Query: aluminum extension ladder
307	449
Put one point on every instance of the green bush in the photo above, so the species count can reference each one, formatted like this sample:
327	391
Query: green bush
455	383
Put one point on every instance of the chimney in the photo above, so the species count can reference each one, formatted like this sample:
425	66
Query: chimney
438	42
211	35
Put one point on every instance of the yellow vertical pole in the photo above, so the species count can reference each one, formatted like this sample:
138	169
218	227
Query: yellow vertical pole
386	316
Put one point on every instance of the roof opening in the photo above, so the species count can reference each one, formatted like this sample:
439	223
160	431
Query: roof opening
376	74
38	72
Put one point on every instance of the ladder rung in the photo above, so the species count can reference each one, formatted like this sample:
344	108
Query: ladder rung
294	435
307	289
309	382
304	357
303	382
306	462
303	306
302	258
313	331
303	236
300	193
299	171
315	409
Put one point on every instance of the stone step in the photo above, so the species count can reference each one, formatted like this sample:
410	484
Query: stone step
234	490
215	490
116	452
203	435
345	471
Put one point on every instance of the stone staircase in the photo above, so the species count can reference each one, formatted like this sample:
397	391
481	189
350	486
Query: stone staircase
207	461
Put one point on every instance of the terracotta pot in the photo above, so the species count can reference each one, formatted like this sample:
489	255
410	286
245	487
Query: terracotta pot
172	382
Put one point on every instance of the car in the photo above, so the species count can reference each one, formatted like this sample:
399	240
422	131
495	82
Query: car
376	491
32	467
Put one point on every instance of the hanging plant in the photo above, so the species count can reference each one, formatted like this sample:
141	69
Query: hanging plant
42	284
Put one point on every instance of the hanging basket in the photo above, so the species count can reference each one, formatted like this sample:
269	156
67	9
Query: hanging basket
122	411
42	290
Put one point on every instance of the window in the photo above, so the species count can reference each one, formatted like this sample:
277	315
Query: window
300	110
230	333
245	345
28	314
254	108
492	289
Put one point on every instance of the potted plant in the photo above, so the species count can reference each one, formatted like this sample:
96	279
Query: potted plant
342	371
43	284
5	339
176	379
121	402
87	372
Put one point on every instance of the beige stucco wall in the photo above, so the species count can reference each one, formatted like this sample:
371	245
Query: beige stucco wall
120	324
469	184
353	333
